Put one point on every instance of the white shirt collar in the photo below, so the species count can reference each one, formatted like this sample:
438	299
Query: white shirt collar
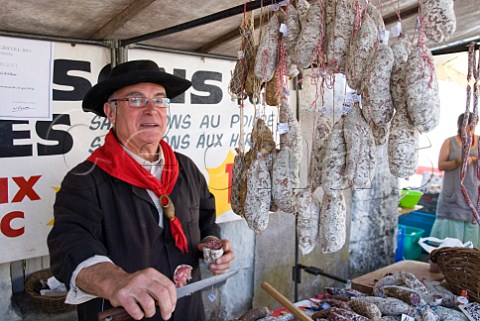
153	167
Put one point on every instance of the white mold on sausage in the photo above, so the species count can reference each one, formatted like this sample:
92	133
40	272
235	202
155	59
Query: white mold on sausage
308	211
258	198
311	35
361	49
321	132
361	154
438	19
334	180
423	101
339	40
266	58
376	97
332	223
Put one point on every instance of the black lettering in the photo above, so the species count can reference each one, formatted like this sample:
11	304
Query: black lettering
63	139
60	77
96	142
209	121
198	83
234	140
179	121
95	123
180	99
7	139
101	123
178	141
209	140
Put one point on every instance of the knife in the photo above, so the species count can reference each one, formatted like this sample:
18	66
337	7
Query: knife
119	313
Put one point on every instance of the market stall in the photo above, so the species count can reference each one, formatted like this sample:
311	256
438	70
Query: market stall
325	102
406	290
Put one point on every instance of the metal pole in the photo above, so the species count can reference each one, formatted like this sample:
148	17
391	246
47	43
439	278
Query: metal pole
200	21
296	268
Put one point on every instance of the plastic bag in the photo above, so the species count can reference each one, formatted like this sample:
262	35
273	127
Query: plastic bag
450	242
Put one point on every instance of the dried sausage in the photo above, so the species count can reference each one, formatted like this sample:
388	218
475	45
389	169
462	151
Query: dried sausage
361	152
182	274
258	198
307	210
239	184
332	223
333	167
339	40
286	163
361	48
438	18
311	35
367	309
376	96
266	58
423	101
322	129
403	144
390	306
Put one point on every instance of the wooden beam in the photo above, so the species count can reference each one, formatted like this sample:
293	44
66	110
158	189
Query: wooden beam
120	19
404	14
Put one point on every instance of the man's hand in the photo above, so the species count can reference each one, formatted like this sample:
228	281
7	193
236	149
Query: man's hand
222	264
138	293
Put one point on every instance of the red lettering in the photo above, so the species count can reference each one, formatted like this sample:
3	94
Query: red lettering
6	227
26	188
3	190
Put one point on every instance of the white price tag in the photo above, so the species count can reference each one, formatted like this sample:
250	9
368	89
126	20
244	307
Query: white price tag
350	97
284	29
396	30
282	128
407	318
240	54
383	35
346	107
211	297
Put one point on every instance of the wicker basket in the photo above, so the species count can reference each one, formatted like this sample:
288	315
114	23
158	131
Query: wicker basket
50	304
460	267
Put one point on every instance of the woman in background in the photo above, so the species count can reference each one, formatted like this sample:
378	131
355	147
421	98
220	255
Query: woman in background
453	216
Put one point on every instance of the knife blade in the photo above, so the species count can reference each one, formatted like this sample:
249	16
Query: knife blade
119	313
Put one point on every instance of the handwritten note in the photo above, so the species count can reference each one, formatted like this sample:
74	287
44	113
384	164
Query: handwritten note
25	79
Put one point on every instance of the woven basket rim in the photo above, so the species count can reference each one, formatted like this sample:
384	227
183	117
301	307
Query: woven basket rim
435	254
50	304
459	266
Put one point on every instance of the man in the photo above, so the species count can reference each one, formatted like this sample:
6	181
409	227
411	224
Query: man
111	242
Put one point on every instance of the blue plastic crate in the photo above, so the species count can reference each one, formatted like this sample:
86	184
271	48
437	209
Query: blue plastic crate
411	249
418	219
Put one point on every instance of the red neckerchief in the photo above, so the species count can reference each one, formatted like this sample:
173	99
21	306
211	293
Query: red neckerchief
113	159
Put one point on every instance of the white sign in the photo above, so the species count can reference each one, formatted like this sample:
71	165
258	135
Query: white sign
25	79
36	154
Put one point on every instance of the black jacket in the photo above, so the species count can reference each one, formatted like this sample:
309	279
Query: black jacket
97	214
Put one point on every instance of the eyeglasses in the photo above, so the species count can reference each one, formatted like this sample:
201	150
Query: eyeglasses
139	102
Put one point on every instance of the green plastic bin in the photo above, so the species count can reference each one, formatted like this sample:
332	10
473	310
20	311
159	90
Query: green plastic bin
409	198
411	249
